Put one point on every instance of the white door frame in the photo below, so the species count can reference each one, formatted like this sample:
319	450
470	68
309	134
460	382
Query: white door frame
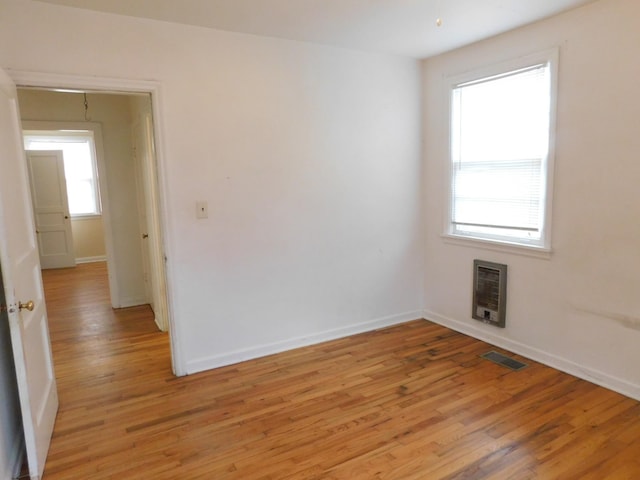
124	86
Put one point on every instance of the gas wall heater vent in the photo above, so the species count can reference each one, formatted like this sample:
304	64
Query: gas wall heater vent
489	292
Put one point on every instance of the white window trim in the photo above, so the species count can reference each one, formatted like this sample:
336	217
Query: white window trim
86	216
498	246
88	132
543	249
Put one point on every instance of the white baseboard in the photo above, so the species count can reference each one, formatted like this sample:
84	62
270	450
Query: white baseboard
207	363
126	302
560	363
100	258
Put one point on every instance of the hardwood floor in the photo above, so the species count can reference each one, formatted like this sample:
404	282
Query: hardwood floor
413	401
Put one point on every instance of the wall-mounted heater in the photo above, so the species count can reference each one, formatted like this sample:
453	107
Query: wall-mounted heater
489	292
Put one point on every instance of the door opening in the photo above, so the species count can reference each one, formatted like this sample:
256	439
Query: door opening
117	213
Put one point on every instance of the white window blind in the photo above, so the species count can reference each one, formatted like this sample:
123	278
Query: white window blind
499	148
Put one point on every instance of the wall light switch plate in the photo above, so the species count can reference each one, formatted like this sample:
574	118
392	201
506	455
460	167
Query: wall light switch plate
202	209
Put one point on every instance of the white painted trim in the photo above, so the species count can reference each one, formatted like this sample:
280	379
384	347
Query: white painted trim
85	216
99	258
207	363
496	246
541	248
481	332
178	361
83	83
124	86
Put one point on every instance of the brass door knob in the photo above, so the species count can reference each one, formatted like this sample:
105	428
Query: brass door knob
29	305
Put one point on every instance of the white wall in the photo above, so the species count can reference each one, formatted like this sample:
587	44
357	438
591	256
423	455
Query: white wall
578	310
308	156
113	114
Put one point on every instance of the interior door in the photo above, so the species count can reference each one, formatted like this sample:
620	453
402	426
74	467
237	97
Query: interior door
51	208
149	219
144	224
23	288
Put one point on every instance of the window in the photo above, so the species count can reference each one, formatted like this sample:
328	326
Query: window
79	166
501	154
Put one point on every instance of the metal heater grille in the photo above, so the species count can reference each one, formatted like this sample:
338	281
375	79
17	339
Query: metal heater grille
489	292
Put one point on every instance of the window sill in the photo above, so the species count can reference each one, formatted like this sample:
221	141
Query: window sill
498	246
88	216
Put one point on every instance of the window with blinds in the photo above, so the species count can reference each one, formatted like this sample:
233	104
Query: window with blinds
500	149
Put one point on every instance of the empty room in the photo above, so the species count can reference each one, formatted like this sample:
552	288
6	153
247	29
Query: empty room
373	239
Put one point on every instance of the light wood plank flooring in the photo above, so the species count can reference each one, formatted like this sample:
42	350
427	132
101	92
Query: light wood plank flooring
410	402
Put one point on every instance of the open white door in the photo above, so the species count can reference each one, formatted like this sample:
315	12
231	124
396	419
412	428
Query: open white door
51	208
152	248
23	288
138	156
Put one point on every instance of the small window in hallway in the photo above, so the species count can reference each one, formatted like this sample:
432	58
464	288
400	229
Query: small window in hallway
79	165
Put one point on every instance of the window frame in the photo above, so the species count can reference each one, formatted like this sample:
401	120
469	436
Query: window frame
88	134
496	242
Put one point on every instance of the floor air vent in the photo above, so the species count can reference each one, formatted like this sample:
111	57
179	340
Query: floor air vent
503	360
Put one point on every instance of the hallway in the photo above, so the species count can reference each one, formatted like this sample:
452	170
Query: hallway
103	358
79	310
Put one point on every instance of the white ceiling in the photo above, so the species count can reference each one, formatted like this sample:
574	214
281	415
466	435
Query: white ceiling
401	27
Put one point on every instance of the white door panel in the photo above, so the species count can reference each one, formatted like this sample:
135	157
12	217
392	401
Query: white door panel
149	218
51	208
23	283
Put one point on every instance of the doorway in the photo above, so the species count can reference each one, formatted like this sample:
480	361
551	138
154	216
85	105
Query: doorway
124	86
126	218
